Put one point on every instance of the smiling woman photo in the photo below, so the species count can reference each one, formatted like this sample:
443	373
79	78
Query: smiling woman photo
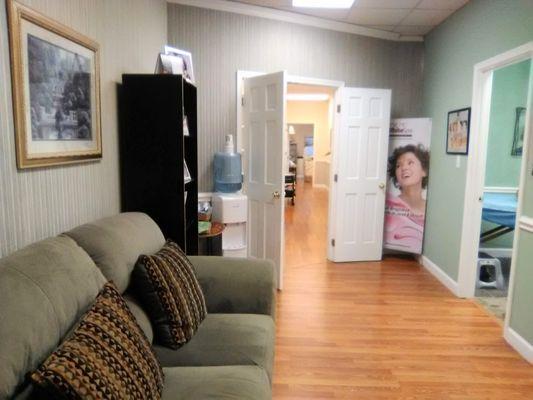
408	169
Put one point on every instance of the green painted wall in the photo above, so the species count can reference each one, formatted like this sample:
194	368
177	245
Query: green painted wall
509	91
478	31
521	314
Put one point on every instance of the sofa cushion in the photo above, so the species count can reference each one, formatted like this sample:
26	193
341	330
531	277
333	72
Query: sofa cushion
107	354
226	339
44	289
114	243
166	285
225	382
140	315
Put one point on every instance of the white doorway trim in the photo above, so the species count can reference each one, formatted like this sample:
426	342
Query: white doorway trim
481	99
475	174
241	75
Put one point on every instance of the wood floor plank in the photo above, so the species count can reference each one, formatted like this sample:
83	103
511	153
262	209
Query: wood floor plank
380	330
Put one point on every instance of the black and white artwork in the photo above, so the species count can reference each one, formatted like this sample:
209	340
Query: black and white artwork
519	129
59	92
56	90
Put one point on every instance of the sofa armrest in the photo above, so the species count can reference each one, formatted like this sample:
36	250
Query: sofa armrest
236	285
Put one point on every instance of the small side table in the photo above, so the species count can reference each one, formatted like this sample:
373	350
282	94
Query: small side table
210	243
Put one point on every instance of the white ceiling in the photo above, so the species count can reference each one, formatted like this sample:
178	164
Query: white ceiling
405	17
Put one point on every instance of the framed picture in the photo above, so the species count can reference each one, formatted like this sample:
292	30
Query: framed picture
519	128
458	129
184	59
56	91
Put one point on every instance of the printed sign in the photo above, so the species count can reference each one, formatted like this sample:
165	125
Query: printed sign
408	175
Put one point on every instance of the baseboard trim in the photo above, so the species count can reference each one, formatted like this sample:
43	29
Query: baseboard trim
440	275
497	252
517	342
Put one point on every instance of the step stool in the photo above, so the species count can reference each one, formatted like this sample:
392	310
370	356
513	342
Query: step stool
493	267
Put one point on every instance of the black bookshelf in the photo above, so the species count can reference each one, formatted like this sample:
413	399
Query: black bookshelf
152	149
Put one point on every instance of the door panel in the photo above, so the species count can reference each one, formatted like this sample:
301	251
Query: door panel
360	157
264	121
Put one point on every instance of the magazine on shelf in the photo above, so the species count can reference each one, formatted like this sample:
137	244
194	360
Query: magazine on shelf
185	126
186	174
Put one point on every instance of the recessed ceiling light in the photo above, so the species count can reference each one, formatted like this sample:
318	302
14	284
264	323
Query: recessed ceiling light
323	3
307	97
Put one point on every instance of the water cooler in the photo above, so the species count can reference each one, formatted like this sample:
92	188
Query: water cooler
229	205
232	210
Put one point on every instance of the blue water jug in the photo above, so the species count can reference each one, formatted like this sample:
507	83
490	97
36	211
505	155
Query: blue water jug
228	169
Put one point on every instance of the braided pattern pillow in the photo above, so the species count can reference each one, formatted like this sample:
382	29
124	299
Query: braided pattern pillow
167	286
106	357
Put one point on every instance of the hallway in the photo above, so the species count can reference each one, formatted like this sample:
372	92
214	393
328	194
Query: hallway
380	330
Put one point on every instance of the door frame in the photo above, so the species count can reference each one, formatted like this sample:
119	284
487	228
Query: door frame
337	85
476	165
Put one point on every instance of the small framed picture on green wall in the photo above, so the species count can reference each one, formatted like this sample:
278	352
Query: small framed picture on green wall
458	131
519	128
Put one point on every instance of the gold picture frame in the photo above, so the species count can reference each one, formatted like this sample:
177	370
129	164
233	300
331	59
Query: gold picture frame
55	75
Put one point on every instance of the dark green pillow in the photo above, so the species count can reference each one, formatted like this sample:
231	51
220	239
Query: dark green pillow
106	356
167	286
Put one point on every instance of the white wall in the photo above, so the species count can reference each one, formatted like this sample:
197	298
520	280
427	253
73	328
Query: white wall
38	203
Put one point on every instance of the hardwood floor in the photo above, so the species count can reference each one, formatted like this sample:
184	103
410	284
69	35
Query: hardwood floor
381	330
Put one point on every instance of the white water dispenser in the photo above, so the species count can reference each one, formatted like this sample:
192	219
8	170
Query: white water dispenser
232	210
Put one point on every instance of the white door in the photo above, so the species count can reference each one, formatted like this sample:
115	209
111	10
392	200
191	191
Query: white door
359	175
264	122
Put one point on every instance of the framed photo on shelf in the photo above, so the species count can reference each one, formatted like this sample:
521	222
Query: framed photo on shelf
458	128
183	59
56	90
519	129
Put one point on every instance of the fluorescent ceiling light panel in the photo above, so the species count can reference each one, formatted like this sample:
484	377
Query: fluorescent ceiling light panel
323	3
307	97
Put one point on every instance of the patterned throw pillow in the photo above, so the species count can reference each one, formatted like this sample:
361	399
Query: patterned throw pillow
106	357
166	284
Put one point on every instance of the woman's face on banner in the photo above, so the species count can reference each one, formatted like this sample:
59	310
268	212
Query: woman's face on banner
409	171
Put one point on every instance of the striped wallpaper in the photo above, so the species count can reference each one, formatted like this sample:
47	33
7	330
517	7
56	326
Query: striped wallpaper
38	203
222	43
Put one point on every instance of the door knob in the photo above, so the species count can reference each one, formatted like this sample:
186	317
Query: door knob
382	185
276	194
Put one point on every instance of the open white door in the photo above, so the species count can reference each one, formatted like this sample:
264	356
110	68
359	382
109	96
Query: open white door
359	175
264	122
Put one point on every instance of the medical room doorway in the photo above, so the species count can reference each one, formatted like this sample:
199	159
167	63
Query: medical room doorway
504	152
309	129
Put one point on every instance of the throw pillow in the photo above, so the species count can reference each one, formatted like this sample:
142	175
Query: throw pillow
167	286
106	356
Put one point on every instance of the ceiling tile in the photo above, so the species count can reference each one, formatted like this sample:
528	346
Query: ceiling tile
385	3
369	16
413	29
426	17
442	4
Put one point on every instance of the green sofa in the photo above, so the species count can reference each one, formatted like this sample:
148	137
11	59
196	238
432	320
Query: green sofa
47	286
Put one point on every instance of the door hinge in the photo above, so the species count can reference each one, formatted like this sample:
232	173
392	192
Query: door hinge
338	108
242	101
335	178
333	242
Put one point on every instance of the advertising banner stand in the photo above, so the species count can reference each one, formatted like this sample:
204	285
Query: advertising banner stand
408	175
